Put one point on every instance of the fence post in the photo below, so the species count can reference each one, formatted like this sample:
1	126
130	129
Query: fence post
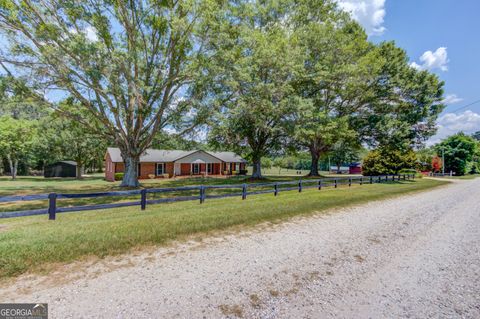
319	184
300	186
361	180
379	179
371	179
202	194
404	177
413	176
143	199
349	181
244	191
275	192
335	183
52	206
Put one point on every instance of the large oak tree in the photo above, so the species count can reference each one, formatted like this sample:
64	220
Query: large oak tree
252	75
128	63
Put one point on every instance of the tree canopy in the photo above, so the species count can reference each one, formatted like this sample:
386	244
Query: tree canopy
459	151
16	139
254	65
126	63
259	77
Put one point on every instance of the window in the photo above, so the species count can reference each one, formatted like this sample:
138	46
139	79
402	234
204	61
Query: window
160	169
196	168
234	167
209	168
139	169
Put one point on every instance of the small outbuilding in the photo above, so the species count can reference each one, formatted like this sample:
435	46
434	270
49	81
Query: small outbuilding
61	169
355	168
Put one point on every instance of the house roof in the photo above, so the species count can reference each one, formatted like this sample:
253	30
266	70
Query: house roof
152	155
229	157
65	162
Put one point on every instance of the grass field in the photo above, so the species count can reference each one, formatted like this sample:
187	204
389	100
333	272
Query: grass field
37	185
34	243
468	176
40	185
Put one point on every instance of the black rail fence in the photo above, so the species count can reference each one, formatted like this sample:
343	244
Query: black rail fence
201	194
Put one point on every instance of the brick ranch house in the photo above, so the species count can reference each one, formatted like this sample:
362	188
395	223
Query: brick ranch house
163	163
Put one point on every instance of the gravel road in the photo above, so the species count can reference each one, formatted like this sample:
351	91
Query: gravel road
415	256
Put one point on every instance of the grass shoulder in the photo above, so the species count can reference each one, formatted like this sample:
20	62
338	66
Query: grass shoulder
33	243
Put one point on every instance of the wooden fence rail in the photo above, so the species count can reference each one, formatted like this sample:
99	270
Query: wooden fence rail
244	191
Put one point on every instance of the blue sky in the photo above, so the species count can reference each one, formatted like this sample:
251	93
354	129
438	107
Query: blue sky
438	35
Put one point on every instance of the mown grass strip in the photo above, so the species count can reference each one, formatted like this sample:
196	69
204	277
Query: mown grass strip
32	243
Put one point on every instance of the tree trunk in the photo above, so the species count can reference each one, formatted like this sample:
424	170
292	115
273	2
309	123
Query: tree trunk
130	177
13	166
257	168
79	170
314	167
15	169
338	168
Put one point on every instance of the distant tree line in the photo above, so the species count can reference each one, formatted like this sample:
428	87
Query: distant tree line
458	153
259	77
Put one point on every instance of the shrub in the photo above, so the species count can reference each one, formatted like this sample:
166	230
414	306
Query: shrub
118	176
407	171
386	161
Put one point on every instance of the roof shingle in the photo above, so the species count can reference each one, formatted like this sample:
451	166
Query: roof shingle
152	155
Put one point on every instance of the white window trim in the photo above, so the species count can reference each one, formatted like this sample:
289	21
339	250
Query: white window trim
156	169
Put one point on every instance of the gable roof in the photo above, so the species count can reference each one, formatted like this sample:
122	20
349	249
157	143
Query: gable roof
230	157
152	155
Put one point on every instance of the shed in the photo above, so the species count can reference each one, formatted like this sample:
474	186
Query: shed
355	168
61	169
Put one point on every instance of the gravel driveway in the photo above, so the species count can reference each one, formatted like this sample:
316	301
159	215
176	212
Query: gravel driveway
416	256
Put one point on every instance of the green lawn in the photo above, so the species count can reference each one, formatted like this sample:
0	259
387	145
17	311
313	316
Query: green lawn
34	243
468	176
275	171
40	185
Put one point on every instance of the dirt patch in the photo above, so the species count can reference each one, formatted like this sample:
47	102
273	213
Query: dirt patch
232	310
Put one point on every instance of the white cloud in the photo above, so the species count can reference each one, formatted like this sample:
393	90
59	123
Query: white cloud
451	99
369	13
416	66
433	60
451	123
